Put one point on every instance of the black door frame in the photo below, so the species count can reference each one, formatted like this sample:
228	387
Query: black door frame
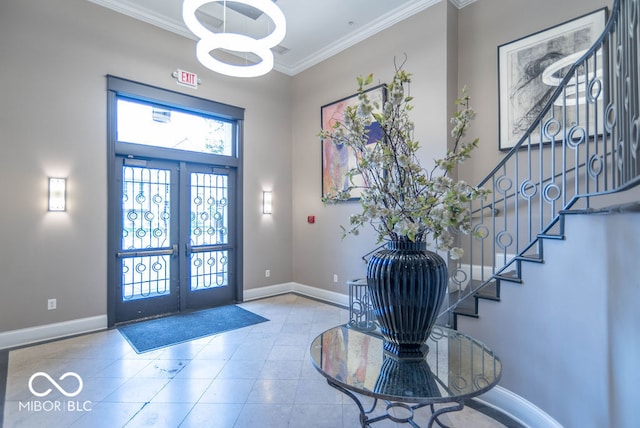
123	88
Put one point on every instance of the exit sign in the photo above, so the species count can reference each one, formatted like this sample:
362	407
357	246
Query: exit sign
187	78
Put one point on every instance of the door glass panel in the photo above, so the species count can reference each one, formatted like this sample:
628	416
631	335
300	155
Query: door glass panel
209	269
144	277
209	226
146	226
150	125
209	198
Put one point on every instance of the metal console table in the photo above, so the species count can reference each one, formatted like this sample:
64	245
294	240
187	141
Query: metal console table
457	367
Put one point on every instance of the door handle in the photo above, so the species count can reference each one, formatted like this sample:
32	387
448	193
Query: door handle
175	250
146	253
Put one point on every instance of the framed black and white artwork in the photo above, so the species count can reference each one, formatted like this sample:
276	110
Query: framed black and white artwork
523	92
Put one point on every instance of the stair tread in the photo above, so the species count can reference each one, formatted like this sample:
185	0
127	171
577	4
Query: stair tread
466	313
534	258
466	305
551	236
511	276
490	291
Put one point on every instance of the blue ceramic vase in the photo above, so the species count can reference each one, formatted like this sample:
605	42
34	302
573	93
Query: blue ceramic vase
407	285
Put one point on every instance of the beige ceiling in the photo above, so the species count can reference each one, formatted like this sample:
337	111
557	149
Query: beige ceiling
316	29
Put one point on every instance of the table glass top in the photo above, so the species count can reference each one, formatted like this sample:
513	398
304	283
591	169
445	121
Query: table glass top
456	366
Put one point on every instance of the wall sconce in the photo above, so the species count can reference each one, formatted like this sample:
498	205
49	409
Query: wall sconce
57	194
266	202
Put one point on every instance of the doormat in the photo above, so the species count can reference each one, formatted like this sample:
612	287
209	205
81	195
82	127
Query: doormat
158	333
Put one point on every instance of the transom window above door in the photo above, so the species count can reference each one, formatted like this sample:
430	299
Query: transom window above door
160	126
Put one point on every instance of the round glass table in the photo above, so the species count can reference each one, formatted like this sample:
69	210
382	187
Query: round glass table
456	367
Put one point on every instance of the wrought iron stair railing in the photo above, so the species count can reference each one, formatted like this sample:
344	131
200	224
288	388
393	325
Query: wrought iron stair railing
583	144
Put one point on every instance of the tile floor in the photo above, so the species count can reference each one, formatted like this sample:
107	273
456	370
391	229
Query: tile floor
257	376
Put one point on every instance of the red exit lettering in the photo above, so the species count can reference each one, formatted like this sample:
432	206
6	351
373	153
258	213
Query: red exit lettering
187	78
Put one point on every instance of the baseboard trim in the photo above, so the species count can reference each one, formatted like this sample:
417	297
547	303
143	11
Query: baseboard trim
26	336
517	408
294	287
267	291
324	295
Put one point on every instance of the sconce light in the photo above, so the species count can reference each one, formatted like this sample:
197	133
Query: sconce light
57	194
266	202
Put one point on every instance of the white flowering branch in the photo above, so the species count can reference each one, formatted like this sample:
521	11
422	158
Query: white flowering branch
399	198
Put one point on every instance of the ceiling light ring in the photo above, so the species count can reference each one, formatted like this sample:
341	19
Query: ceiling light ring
243	44
267	6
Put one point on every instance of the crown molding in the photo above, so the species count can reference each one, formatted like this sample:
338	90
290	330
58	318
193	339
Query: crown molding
461	3
150	17
352	39
146	15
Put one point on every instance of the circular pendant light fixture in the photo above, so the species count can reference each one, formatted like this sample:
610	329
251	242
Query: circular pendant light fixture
210	41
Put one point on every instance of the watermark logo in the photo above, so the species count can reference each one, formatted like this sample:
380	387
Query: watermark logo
55	384
55	405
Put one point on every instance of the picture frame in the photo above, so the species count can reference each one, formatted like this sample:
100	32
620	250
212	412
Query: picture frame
522	94
338	160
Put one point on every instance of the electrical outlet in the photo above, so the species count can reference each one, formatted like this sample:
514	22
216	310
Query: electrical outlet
52	304
267	273
335	277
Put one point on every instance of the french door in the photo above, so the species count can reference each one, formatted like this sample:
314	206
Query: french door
175	202
177	248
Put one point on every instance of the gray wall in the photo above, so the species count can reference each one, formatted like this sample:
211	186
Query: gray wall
318	250
447	48
623	348
483	26
54	58
571	347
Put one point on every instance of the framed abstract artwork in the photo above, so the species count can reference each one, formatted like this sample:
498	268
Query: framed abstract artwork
523	92
338	159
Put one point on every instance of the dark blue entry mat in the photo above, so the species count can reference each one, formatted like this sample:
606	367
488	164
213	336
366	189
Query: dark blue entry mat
158	333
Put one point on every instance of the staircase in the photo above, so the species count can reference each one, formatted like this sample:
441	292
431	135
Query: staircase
583	146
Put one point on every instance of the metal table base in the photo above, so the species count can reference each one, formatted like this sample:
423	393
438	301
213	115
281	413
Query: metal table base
366	421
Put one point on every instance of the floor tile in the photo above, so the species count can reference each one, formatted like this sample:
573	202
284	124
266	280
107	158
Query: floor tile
212	416
160	415
38	414
273	391
264	415
201	369
108	415
287	353
317	416
182	391
257	376
242	369
317	391
274	369
123	368
162	369
228	391
137	390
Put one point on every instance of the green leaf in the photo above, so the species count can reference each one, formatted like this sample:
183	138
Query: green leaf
369	79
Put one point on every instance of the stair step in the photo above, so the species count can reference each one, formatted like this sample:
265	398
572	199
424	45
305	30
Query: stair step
550	236
467	304
490	291
530	258
466	312
466	308
511	276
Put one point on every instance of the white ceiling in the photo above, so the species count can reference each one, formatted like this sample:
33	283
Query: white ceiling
316	30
